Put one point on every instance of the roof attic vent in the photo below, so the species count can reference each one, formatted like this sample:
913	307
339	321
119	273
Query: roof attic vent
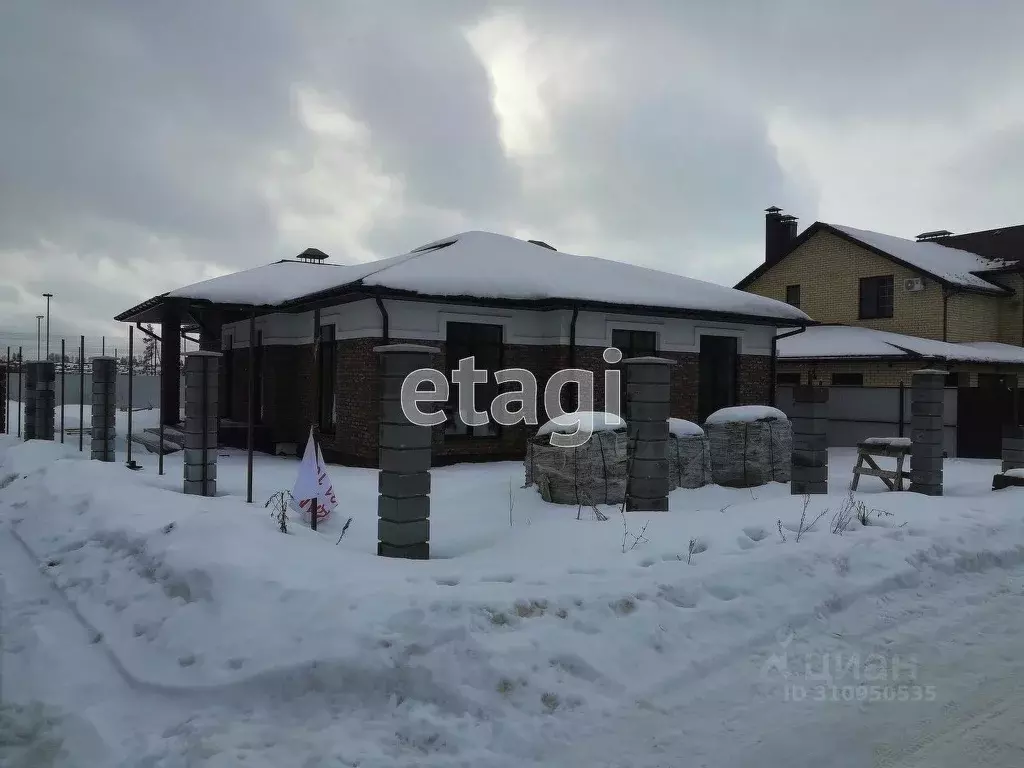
312	256
935	235
542	244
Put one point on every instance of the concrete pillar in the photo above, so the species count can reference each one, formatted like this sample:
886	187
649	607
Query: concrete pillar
104	408
648	390
809	417
201	388
40	400
170	365
926	426
403	506
1013	447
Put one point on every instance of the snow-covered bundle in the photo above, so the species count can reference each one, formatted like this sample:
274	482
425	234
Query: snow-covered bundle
749	446
689	455
593	473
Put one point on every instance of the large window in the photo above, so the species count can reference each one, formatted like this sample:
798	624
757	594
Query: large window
328	371
483	342
793	295
876	297
788	379
631	344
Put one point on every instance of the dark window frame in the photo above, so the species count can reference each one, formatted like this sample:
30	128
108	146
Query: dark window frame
876	298
793	295
788	379
710	398
631	343
485	342
847	379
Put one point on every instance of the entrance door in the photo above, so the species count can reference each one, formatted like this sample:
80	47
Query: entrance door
982	412
717	385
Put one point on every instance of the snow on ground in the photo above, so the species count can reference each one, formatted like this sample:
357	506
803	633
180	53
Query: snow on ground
144	627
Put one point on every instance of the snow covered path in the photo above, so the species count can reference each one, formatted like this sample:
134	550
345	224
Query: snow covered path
954	637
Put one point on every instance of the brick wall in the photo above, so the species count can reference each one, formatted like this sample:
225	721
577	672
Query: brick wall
1011	311
289	392
882	374
828	270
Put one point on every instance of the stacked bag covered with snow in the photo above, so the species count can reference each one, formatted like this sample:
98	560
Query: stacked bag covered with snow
689	455
593	473
750	445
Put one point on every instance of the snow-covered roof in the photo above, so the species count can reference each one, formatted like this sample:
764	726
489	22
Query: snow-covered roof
487	265
843	341
949	264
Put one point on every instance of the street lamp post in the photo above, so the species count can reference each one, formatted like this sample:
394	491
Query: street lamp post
39	336
48	297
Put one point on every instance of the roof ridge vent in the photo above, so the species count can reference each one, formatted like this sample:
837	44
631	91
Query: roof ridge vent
312	256
933	235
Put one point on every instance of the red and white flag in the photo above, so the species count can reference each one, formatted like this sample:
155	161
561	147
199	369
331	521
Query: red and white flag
313	483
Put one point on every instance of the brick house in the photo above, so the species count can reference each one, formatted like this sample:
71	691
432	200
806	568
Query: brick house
944	287
508	302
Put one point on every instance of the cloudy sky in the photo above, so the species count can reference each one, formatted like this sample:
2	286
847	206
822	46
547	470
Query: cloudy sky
146	145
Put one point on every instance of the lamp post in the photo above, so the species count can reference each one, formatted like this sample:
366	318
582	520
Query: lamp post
48	297
39	336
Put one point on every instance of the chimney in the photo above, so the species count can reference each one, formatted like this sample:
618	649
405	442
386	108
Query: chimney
779	233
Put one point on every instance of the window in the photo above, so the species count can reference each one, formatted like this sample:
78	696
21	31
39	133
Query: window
328	371
793	295
631	344
483	342
848	379
228	379
716	385
788	379
876	297
952	379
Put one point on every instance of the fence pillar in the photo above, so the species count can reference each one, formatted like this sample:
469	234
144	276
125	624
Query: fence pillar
403	506
104	408
809	417
926	427
1013	447
201	390
40	400
648	389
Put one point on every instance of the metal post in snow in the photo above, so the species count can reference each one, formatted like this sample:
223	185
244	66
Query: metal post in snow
48	297
21	378
131	367
63	373
252	403
81	395
103	346
7	395
902	406
318	396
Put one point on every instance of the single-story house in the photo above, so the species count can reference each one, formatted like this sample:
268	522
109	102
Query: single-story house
508	302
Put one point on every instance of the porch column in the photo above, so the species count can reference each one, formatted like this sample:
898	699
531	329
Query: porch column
210	324
170	365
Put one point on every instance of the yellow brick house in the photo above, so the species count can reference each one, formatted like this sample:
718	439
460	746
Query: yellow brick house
888	305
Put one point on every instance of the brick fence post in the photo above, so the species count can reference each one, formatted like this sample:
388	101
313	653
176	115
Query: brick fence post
1013	447
926	427
809	418
202	385
648	397
404	455
40	399
104	408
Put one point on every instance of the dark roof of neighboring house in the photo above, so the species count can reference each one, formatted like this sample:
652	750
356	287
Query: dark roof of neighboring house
946	260
1005	243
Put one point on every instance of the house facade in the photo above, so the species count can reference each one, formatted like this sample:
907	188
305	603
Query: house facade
930	288
308	331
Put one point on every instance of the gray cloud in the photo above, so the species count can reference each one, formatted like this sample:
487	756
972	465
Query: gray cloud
146	145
